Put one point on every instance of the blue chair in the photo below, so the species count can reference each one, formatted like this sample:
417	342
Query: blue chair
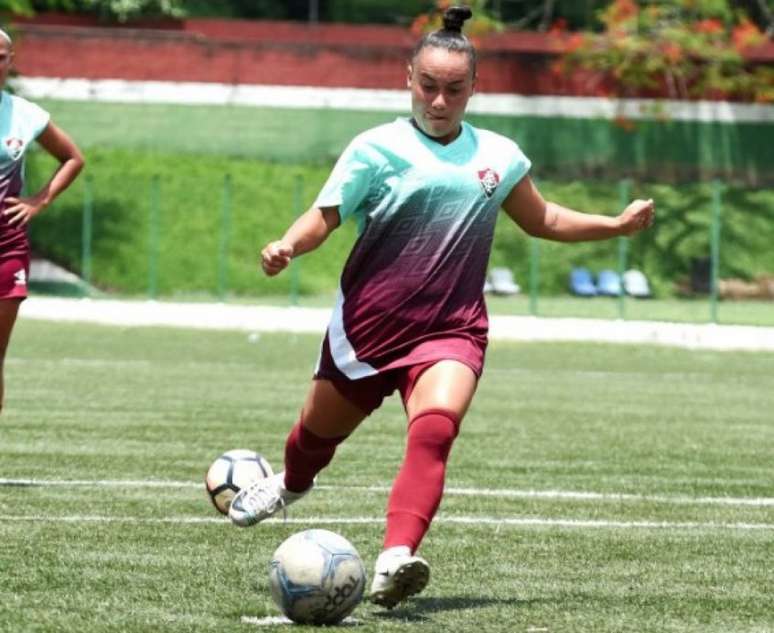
582	283
609	283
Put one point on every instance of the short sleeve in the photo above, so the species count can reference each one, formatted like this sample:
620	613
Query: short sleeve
519	166
350	181
38	119
30	118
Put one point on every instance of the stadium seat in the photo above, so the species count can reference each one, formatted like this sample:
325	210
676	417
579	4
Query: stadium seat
502	283
609	283
581	283
636	284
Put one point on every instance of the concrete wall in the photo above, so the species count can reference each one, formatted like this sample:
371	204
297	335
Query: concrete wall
269	53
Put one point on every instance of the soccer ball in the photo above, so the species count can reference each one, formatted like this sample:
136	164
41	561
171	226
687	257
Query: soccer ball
231	472
317	577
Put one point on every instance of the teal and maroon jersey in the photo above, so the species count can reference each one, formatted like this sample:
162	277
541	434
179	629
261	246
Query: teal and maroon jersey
21	122
426	215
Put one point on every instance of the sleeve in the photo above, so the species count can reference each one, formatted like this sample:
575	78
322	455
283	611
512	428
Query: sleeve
350	181
36	119
519	166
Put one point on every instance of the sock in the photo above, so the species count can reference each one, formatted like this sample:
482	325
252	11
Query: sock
417	490
306	454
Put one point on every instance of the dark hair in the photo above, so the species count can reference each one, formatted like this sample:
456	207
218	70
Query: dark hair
450	36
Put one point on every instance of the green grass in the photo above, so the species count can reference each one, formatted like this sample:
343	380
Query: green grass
669	426
559	146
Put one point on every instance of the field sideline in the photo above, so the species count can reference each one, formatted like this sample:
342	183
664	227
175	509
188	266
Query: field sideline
594	488
260	318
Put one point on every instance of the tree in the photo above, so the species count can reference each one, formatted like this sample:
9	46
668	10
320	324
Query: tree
683	49
111	10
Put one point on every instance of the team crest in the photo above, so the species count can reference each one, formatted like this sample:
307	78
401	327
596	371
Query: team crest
15	146
489	181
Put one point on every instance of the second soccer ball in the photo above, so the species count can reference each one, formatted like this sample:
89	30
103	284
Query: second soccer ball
232	471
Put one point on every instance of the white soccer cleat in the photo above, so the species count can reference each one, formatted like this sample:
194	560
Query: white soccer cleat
262	499
397	576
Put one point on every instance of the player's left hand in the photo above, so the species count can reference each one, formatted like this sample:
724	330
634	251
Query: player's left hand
19	211
639	215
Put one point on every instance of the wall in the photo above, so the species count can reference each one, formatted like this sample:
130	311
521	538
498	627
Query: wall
274	53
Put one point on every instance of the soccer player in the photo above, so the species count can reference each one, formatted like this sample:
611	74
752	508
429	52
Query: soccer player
410	314
22	122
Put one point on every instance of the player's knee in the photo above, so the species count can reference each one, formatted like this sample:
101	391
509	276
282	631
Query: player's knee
434	428
310	441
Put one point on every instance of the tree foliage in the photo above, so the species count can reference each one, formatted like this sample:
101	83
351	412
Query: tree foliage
683	49
111	10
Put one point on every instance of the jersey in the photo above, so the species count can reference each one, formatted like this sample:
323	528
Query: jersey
426	215
21	122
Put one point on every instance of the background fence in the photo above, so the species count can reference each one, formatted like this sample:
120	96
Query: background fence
185	226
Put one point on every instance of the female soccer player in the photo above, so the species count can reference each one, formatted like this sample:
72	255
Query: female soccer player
410	312
22	122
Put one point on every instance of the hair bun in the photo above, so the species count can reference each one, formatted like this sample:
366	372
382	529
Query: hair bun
454	18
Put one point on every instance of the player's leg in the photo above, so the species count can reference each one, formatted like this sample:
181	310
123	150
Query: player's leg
9	308
439	399
327	419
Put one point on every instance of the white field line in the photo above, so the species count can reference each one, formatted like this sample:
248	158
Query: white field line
463	492
279	620
498	522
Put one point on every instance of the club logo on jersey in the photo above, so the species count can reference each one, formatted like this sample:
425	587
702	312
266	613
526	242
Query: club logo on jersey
489	181
15	146
20	277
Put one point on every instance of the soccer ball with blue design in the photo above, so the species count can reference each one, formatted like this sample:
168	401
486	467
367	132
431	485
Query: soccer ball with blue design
232	471
317	577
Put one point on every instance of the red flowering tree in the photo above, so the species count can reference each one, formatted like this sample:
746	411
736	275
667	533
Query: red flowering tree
681	49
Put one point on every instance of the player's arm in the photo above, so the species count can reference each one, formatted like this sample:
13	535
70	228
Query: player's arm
304	235
57	143
541	218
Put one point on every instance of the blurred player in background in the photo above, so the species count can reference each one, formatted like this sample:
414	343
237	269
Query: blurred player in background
410	314
22	122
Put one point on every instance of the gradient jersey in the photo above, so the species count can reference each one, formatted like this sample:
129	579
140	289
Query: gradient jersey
426	214
21	122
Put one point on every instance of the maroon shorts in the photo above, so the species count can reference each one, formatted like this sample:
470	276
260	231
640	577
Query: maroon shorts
14	271
369	392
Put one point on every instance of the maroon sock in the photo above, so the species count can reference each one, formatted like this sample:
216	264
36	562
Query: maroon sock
306	454
417	490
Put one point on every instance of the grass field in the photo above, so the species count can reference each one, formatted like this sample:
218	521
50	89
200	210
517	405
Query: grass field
593	488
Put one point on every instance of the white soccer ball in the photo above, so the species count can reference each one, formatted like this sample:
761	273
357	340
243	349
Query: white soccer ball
232	471
317	577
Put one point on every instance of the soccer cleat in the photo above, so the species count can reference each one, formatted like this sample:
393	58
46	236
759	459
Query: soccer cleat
398	576
262	499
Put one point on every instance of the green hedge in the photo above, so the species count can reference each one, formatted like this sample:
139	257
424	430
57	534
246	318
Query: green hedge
265	199
564	148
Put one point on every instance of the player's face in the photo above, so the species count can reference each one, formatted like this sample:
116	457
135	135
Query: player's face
6	56
441	83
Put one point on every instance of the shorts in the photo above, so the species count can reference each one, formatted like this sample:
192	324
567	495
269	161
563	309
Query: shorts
14	272
369	392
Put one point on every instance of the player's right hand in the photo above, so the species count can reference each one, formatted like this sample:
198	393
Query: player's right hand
275	257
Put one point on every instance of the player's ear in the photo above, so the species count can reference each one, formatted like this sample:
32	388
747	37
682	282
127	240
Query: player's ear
409	71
